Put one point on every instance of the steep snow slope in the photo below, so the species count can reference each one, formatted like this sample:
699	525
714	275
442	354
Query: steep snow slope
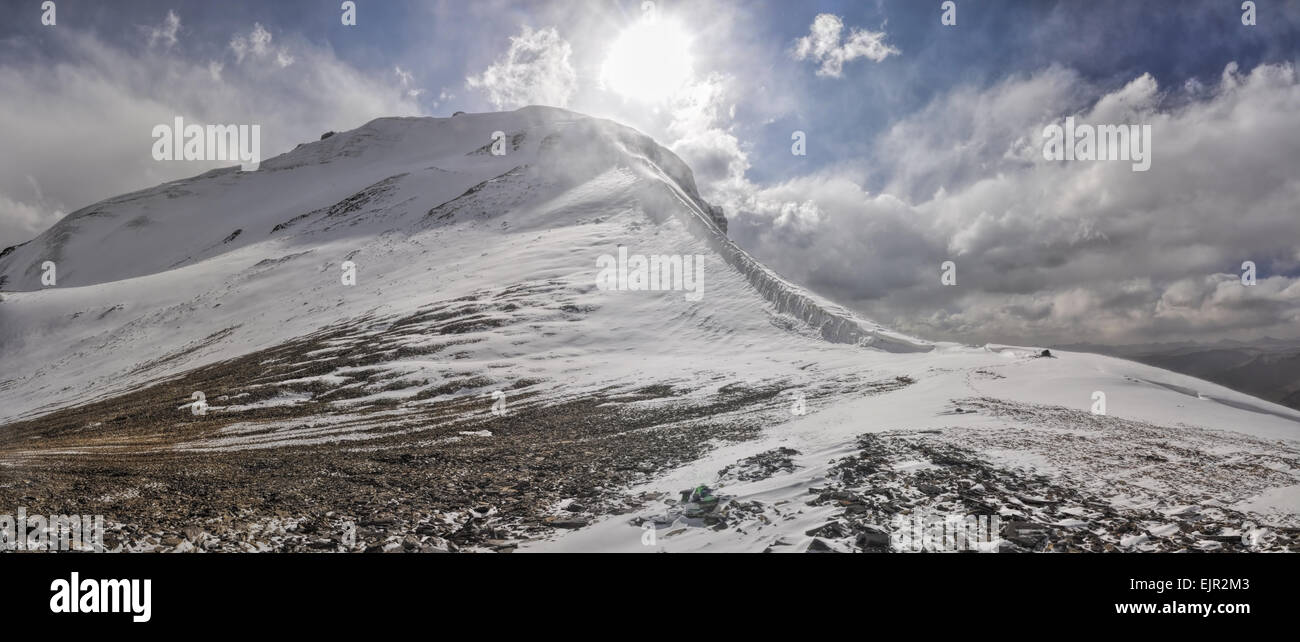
417	204
476	273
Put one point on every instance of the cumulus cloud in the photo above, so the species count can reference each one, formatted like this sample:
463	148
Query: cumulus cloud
826	45
700	133
838	238
535	70
99	104
1054	252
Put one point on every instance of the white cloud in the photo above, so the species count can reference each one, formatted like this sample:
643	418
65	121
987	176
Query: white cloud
534	71
824	44
443	97
256	45
23	219
699	132
1060	252
165	33
100	103
406	79
403	76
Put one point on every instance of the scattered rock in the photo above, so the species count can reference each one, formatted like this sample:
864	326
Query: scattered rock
566	522
872	537
819	546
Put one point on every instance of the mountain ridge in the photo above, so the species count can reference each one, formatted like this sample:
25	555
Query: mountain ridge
347	328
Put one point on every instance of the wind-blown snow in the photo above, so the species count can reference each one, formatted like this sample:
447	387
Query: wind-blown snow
160	278
156	283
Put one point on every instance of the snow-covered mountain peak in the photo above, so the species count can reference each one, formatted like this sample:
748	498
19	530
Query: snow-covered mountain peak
351	313
186	221
475	200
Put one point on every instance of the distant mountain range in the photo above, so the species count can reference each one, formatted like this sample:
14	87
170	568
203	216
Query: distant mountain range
1268	368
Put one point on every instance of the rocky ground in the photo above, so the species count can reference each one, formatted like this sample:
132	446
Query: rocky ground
1093	504
897	475
462	485
1114	486
386	475
302	451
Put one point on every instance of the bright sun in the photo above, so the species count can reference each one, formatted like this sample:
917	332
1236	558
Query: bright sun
649	61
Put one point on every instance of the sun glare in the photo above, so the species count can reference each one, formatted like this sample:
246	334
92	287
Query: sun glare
648	62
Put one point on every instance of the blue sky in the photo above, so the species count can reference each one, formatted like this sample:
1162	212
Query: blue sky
919	150
1106	41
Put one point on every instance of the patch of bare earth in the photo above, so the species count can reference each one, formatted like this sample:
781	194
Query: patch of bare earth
336	469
